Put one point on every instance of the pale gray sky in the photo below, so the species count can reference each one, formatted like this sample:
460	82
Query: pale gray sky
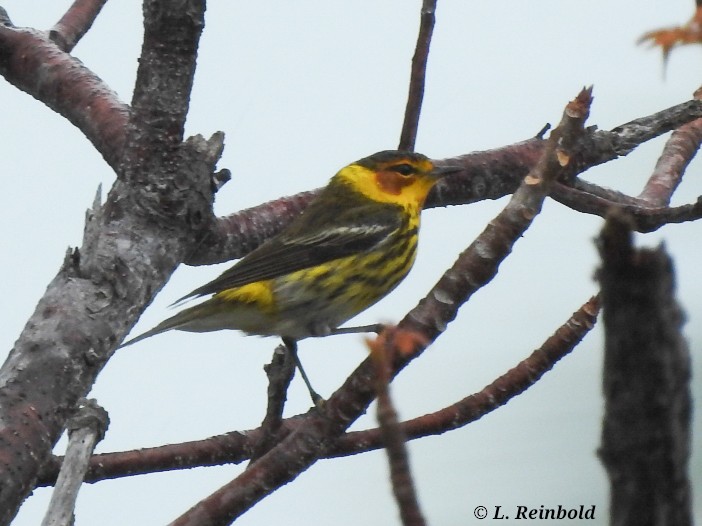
301	89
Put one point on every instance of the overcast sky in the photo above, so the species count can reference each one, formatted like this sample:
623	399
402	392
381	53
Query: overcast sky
301	89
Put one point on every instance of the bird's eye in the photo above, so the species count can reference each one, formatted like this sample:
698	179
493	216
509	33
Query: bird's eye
403	169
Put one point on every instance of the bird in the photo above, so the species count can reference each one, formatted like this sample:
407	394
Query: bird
352	245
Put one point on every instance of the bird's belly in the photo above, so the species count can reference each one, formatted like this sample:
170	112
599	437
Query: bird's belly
313	302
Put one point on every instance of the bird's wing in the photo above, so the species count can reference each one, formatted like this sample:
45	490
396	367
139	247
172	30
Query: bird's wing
307	243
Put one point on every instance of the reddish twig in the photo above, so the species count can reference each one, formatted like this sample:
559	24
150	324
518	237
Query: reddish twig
586	188
677	154
643	218
391	342
491	397
75	23
415	96
231	448
35	65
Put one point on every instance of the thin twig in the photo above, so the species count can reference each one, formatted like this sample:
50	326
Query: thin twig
587	188
415	96
676	155
495	395
644	218
390	342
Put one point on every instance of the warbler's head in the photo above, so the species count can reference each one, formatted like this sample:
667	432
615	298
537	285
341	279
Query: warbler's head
392	176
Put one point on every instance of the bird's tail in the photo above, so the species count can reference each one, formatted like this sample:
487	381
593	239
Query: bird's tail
181	320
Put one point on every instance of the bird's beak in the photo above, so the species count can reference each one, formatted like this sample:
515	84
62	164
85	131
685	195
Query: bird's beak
444	170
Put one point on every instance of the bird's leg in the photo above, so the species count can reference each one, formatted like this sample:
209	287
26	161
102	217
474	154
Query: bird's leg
376	328
291	346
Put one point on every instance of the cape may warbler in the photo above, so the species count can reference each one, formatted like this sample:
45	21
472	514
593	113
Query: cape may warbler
349	248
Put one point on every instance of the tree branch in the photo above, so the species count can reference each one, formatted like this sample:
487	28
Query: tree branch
166	70
679	151
30	61
75	23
